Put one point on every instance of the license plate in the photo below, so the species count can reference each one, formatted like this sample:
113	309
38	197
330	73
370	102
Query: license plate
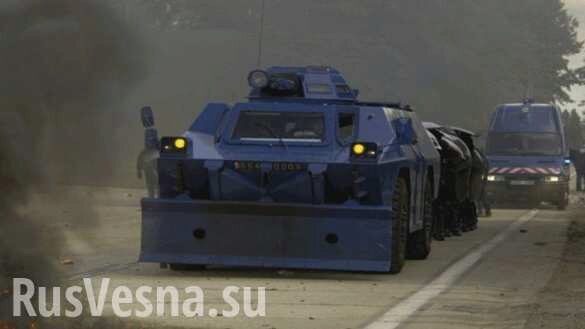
522	182
276	166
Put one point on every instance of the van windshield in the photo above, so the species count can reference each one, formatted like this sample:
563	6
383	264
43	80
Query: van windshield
524	144
261	126
526	119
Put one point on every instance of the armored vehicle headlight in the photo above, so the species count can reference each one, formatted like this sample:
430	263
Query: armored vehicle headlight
180	143
364	150
174	145
358	149
258	79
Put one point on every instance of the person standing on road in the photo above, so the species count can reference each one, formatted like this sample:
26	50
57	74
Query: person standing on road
147	160
484	207
146	164
578	159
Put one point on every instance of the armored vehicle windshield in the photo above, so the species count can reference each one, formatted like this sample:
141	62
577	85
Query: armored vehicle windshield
273	126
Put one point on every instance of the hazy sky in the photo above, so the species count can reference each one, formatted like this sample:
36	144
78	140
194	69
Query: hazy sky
577	9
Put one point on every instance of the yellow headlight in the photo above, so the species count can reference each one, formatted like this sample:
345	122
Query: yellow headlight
359	149
180	143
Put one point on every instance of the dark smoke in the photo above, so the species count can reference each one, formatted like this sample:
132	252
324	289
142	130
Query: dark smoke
62	62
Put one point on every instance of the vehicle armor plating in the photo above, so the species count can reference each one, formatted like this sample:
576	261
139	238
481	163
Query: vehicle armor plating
302	175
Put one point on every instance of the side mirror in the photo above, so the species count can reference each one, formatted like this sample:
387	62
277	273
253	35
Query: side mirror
405	132
147	117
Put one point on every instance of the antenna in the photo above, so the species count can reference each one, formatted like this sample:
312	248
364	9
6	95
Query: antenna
261	36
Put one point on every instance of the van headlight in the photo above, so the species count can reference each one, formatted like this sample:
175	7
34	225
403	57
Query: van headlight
496	178
552	179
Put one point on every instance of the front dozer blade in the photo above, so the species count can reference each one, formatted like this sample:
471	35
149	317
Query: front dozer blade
266	235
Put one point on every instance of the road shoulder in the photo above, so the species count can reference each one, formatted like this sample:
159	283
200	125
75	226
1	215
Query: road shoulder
561	303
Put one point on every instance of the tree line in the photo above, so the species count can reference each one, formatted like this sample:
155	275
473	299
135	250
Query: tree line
454	60
79	70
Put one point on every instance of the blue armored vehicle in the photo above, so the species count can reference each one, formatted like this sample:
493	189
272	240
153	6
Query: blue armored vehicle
528	155
302	175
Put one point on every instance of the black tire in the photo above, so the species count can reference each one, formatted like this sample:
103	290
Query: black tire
419	242
400	213
186	267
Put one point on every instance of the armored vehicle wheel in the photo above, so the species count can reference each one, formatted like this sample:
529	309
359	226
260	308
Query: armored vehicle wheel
419	242
185	267
400	211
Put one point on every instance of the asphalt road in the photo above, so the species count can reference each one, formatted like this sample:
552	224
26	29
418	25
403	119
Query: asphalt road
94	233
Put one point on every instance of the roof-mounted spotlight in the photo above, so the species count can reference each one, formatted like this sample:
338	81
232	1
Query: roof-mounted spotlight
258	79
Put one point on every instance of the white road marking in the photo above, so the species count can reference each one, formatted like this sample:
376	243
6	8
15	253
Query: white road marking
399	313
